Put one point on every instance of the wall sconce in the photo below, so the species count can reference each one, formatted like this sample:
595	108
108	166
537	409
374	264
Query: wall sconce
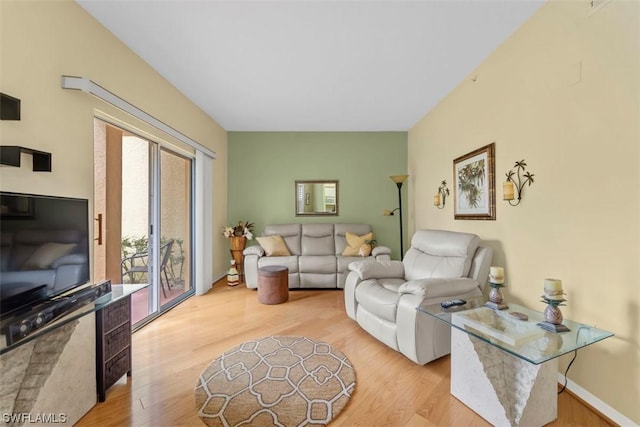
441	196
510	188
398	180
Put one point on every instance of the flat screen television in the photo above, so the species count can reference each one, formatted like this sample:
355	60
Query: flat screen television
44	249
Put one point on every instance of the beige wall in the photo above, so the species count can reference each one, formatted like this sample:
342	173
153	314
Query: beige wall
42	40
563	94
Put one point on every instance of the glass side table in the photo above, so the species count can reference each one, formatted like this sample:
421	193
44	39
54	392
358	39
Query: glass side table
504	368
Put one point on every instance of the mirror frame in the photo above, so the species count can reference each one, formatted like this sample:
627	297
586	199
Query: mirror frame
315	181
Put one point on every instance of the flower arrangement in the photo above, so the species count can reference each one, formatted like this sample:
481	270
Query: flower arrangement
242	229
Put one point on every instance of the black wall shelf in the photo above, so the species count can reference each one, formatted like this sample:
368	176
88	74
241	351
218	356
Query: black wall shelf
9	107
10	156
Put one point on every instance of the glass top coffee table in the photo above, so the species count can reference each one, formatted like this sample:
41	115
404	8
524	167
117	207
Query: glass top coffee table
505	368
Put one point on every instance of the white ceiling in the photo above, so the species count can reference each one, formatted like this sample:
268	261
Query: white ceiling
313	65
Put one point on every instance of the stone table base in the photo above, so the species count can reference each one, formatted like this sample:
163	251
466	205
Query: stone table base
503	389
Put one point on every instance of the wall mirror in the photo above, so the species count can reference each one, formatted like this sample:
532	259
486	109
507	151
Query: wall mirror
316	198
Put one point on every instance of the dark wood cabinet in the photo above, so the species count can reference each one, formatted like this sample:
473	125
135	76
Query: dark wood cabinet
113	344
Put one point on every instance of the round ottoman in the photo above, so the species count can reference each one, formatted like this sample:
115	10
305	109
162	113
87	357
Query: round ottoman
273	284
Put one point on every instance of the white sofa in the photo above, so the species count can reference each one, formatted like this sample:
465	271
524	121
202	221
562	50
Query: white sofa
316	259
383	296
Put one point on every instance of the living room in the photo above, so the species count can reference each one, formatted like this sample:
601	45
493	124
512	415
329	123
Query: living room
560	93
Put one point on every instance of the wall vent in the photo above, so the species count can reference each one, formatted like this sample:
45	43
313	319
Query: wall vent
596	5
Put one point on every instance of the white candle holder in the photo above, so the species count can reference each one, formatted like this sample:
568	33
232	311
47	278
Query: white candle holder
496	299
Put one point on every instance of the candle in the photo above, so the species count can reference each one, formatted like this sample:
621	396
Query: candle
496	275
508	191
553	289
436	200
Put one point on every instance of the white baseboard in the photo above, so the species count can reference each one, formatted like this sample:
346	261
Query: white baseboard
597	404
207	289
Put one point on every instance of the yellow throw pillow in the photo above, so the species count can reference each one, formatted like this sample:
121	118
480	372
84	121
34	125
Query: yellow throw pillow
274	245
354	242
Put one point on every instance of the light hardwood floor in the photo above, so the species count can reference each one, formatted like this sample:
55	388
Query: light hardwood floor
170	353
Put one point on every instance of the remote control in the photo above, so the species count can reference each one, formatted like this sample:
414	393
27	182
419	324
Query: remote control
452	303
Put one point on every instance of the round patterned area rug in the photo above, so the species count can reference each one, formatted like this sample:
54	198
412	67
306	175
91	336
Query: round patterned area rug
279	380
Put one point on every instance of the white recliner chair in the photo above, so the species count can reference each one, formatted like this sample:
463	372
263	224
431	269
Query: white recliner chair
382	296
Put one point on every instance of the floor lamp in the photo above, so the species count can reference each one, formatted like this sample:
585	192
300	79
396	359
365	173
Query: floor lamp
399	180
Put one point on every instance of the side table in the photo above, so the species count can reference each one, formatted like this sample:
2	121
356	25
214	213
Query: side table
273	284
238	244
505	369
113	336
113	344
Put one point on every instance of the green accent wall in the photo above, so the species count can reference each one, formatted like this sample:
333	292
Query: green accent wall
263	167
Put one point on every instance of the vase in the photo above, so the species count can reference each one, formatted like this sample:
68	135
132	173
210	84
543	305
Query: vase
233	277
238	243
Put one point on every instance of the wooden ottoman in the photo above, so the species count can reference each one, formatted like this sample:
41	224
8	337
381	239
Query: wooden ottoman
273	284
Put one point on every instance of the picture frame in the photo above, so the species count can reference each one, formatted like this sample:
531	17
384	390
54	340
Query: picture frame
474	188
316	197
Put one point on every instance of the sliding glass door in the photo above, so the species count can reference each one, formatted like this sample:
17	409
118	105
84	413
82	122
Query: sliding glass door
143	200
175	226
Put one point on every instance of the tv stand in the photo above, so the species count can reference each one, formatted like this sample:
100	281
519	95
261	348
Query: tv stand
41	314
69	346
26	293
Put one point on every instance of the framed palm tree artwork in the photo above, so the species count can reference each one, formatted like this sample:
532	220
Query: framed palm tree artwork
474	184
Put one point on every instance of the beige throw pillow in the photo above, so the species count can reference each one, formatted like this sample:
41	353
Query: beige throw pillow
274	245
354	242
46	254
